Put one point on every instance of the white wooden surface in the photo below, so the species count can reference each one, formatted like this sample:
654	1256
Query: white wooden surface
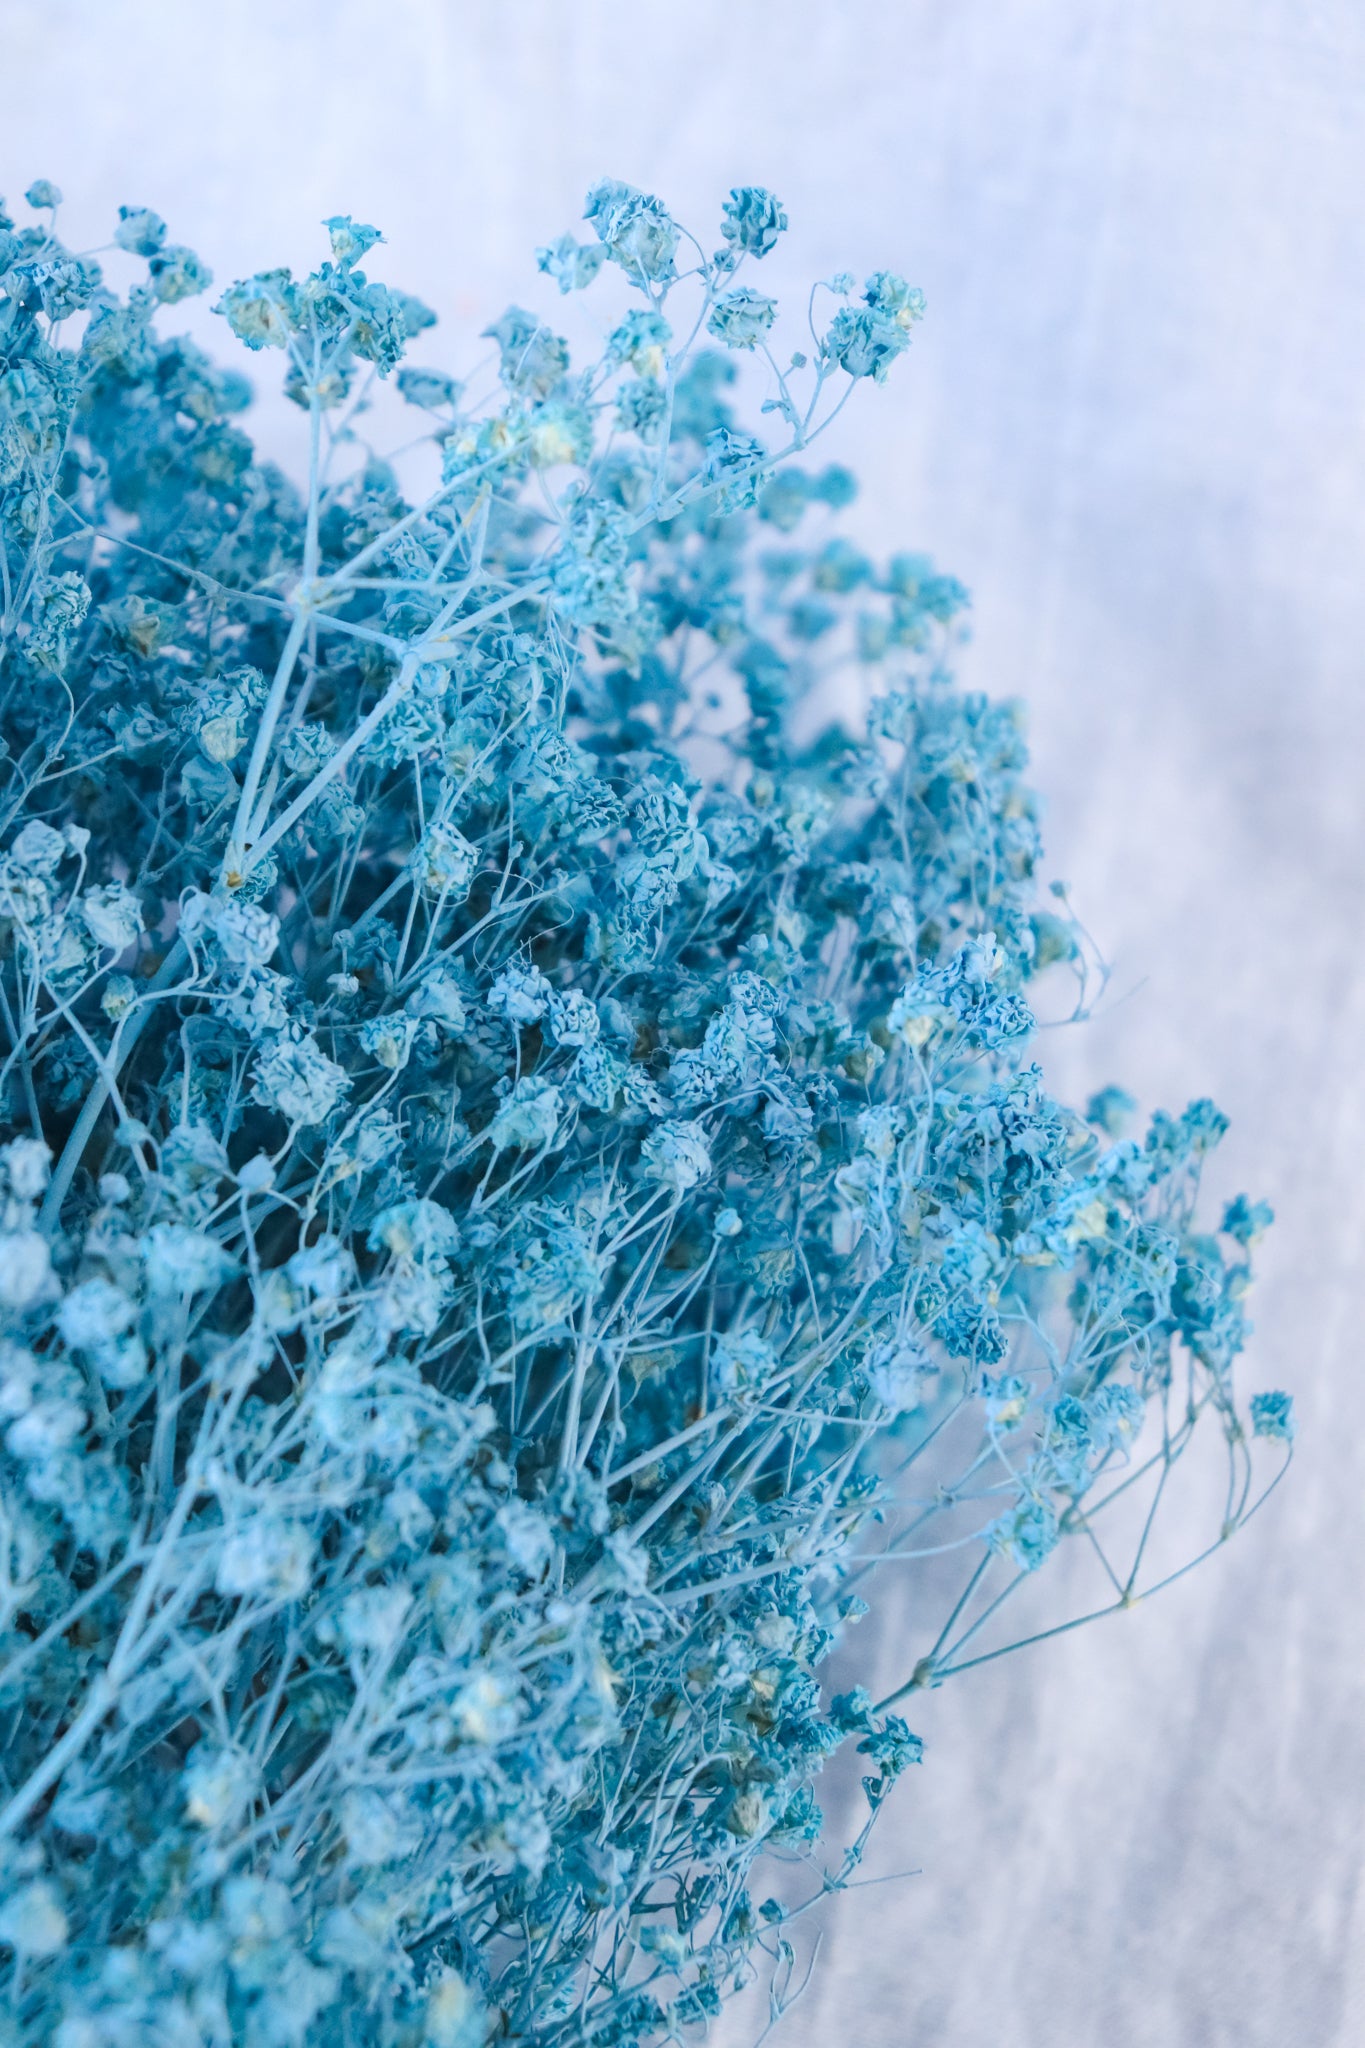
1136	425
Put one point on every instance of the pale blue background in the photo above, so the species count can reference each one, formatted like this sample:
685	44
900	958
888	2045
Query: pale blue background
1135	423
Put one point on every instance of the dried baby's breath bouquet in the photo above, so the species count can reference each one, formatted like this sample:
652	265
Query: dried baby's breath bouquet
525	1174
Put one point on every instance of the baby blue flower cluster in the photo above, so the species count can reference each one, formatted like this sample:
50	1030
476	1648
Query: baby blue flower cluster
523	1175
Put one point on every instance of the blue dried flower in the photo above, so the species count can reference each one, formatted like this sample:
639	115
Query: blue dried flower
514	1188
753	220
571	264
741	317
635	229
1272	1415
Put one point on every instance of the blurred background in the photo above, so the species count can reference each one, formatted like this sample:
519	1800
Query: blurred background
1134	424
